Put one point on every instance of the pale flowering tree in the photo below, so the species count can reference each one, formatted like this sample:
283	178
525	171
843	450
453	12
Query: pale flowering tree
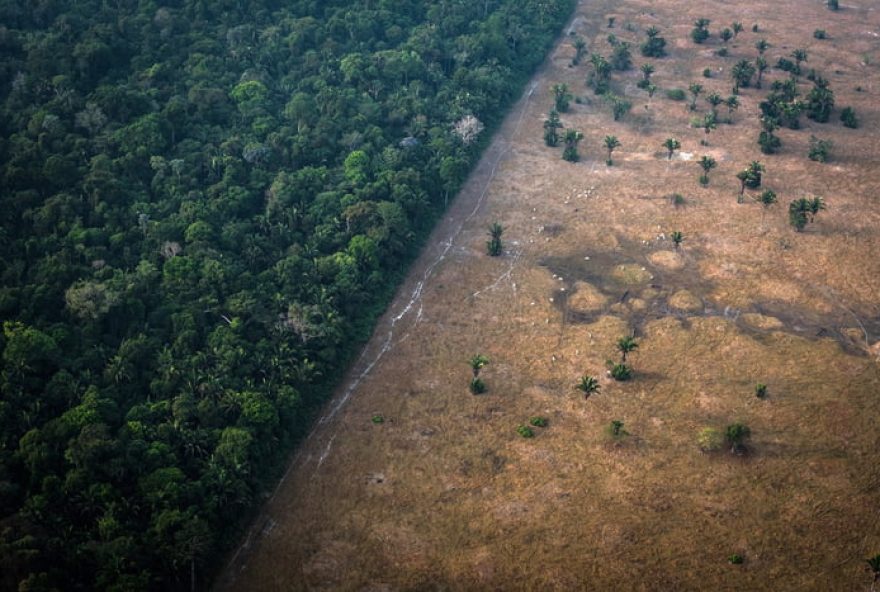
467	129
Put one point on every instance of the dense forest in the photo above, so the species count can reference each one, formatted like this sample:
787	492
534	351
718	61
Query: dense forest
205	206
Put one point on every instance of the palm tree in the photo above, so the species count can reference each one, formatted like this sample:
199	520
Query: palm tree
477	363
579	47
671	145
677	238
571	139
647	70
874	566
816	204
695	89
589	385
798	213
611	142
493	245
743	177
761	65
799	55
714	100
707	163
708	124
737	28
625	345
732	103
561	96
762	46
742	73
551	136
726	35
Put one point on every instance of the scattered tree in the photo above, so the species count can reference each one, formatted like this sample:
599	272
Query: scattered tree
572	138
477	363
695	90
626	345
708	124
621	372
588	385
874	562
737	28
736	435
621	58
611	142
714	99
732	103
551	127
710	439
647	70
833	5
616	429
561	96
619	105
671	145
848	117
761	45
677	238
525	431
769	143
654	46
700	32
820	101
726	35
819	149
803	210
493	245
598	77
580	48
761	67
477	386
742	73
538	421
707	163
799	55
820	34
761	390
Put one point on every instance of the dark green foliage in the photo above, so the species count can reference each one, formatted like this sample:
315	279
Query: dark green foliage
610	143
820	101
676	94
755	28
588	385
598	77
695	90
655	45
769	142
538	422
726	35
707	72
494	246
572	138
621	372
735	559
754	174
742	73
707	163
619	105
580	48
722	52
803	211
767	198
561	97
551	127
678	199
833	5
848	117
525	431
820	34
737	28
736	435
874	566
477	386
204	207
621	57
377	419
819	149
700	32
671	145
626	345
615	429
478	362
761	390
677	238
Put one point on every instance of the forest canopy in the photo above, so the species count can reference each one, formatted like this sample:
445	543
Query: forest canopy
205	205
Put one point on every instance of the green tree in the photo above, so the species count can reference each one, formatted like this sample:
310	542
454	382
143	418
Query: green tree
737	28
551	127
610	142
626	345
671	145
477	363
707	163
742	73
714	99
695	90
494	246
677	238
598	77
700	32
736	435
572	138
848	117
655	45
561	97
820	101
588	385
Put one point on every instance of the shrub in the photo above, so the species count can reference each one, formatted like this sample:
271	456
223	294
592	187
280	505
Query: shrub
735	559
761	390
819	34
525	431
377	419
848	117
538	422
676	94
736	435
477	386
621	372
819	149
615	429
709	439
722	52
707	72
678	199
786	65
833	5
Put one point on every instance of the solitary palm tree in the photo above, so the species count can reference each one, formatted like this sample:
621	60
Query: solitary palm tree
677	238
762	46
707	163
588	385
695	89
743	177
477	363
737	434
626	345
761	65
732	103
799	55
737	29
671	145
647	70
611	142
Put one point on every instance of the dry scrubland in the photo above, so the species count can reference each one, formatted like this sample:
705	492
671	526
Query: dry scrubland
446	495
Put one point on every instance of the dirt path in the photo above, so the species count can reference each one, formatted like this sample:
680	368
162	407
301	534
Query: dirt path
444	494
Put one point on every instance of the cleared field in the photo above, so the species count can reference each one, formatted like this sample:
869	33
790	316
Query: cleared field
445	494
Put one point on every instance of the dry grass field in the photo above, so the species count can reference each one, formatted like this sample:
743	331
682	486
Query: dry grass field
446	495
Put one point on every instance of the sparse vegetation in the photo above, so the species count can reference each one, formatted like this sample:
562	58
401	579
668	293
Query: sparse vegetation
552	125
626	345
647	70
619	105
677	238
561	97
820	34
655	45
761	390
804	210
695	90
820	101
477	363
615	429
580	48
377	419
848	118
736	559
671	145
710	439
621	372
707	163
742	73
599	75
736	435
676	94
525	431
538	422
571	138
477	386
700	32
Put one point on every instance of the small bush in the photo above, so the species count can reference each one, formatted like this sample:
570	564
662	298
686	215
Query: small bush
761	390
377	419
538	422
736	435
570	154
833	5
736	559
848	117
786	65
820	34
722	53
755	28
707	72
819	149
676	94
477	386
709	440
615	429
525	431
621	372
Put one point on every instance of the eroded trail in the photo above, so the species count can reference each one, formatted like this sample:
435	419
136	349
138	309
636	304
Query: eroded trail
445	494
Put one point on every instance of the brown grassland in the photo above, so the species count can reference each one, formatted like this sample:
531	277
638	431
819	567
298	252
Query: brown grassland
446	495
